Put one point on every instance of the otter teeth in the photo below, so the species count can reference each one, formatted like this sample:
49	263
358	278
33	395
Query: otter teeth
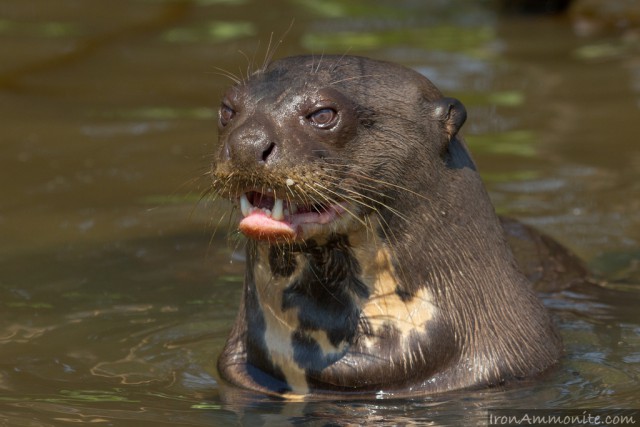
245	206
276	213
293	208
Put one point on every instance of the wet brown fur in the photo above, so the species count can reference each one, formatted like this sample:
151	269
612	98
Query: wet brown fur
415	289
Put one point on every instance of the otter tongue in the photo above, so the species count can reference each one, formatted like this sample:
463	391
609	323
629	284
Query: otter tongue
258	225
265	217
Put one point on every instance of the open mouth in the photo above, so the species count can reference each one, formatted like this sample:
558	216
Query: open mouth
266	217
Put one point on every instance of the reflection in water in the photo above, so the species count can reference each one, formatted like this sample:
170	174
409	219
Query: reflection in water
115	297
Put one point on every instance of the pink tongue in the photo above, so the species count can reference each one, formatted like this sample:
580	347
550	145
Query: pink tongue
259	226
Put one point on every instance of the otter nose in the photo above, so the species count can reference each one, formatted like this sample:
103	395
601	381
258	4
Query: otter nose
251	147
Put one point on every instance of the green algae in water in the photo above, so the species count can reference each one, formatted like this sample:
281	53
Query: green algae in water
205	2
342	9
207	406
158	113
444	37
211	32
44	29
34	305
75	396
518	175
508	98
515	143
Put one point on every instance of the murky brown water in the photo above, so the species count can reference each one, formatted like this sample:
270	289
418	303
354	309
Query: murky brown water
114	298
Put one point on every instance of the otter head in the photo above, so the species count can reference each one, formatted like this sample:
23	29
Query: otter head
309	146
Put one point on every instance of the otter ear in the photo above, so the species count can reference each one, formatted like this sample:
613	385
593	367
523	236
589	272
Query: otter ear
451	112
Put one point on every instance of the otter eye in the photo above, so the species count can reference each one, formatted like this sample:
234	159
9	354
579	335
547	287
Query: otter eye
226	114
323	118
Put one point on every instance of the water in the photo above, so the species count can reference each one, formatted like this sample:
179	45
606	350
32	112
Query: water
115	297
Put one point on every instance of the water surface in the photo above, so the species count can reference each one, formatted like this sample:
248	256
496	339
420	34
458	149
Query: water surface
118	286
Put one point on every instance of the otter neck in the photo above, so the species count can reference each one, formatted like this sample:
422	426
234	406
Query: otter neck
308	301
319	307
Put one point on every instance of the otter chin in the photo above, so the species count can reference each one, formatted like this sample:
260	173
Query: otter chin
376	264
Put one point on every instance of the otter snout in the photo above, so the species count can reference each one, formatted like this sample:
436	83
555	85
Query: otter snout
252	145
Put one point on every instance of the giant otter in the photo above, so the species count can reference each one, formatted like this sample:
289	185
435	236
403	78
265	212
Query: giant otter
375	261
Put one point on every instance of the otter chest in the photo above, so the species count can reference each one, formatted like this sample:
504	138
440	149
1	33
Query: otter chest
320	309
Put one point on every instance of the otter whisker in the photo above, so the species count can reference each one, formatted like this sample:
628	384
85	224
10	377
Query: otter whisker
321	280
350	174
319	63
377	202
321	198
228	74
254	69
268	54
347	79
333	201
371	231
390	184
249	63
337	63
272	51
242	78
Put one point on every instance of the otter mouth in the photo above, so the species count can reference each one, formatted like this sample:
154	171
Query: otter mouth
267	217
